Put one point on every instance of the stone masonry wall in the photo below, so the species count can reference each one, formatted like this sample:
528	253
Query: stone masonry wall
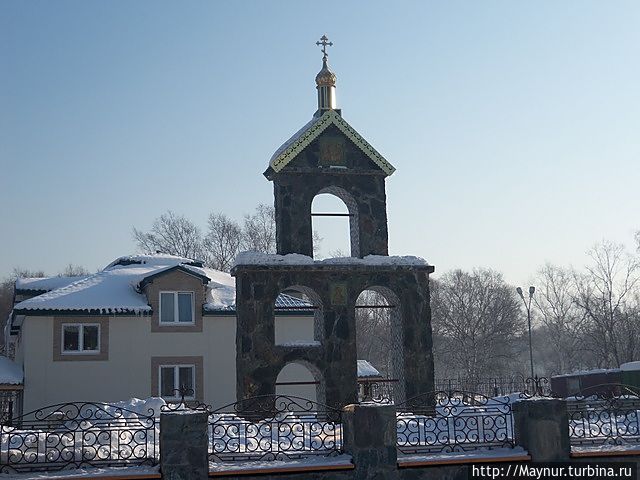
337	287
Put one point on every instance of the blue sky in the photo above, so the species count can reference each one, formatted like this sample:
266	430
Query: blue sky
513	125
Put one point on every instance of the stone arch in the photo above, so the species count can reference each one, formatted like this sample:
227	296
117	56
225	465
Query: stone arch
282	322
393	367
301	378
354	215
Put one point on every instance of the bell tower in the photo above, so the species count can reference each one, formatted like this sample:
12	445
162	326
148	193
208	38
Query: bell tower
328	156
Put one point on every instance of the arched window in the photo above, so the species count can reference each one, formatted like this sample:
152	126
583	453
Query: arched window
301	379
298	317
334	215
379	341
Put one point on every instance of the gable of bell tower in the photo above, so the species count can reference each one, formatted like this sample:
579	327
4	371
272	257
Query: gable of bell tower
327	155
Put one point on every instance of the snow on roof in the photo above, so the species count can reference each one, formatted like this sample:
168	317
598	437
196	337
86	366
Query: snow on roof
588	372
365	369
112	290
116	289
256	258
10	372
285	301
160	259
221	293
46	283
295	137
630	366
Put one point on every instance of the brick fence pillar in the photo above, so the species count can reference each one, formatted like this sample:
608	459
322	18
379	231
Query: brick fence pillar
542	428
184	445
370	438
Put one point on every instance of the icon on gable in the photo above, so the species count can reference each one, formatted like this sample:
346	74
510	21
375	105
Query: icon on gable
332	152
338	293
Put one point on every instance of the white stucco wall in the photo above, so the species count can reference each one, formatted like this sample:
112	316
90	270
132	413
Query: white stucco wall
291	328
127	372
294	372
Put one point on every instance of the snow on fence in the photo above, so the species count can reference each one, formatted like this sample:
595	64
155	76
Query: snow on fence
274	427
598	421
454	421
80	434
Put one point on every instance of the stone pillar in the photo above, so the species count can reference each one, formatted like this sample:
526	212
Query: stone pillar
542	428
369	436
184	445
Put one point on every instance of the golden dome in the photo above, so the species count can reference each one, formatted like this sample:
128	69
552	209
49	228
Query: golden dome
325	77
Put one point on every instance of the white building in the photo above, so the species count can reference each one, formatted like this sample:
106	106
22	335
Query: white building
141	327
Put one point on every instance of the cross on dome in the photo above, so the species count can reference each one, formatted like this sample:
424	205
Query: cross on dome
324	41
326	80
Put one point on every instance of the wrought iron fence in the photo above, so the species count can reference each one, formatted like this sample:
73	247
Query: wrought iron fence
377	390
274	427
75	435
495	386
10	404
605	419
453	421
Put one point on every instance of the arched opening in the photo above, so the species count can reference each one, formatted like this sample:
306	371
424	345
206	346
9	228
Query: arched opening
298	317
301	379
334	219
379	343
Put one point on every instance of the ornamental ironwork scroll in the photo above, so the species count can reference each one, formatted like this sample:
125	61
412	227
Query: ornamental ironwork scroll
453	421
608	417
274	427
76	435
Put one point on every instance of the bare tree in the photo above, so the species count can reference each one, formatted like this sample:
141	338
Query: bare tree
478	319
374	341
608	294
72	270
222	241
317	240
173	234
563	321
259	230
225	238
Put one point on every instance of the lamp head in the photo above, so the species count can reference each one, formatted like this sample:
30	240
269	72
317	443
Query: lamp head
519	290
532	290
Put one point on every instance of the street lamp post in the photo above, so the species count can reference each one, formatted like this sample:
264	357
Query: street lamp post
527	305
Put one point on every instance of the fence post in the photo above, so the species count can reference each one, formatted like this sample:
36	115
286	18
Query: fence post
370	438
184	445
542	428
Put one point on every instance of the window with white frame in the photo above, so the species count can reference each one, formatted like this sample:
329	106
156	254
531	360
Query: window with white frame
176	307
80	338
176	378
